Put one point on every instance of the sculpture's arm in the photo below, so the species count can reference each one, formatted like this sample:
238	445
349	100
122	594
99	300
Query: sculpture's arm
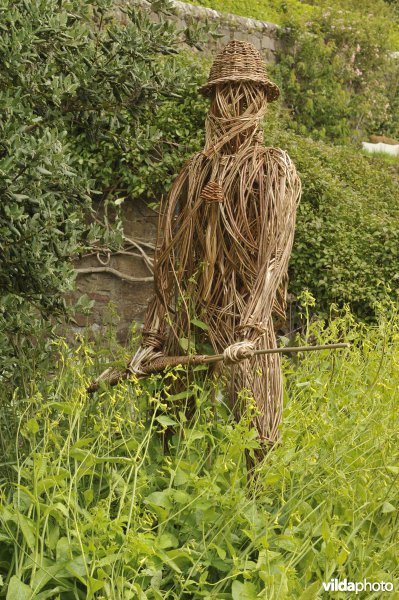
170	228
171	247
282	193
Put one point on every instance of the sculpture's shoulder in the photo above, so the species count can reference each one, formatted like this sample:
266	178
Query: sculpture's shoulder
194	163
285	171
277	155
195	159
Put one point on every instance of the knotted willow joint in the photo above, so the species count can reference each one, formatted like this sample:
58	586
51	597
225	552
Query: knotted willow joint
212	192
237	352
153	338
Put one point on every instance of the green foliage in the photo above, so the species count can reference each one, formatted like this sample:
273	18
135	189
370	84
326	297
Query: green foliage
96	509
338	76
74	87
346	247
164	140
276	11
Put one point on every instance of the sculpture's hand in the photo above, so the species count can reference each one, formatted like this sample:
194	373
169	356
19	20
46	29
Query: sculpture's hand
238	351
143	356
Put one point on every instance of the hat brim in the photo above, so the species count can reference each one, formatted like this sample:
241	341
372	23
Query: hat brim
272	90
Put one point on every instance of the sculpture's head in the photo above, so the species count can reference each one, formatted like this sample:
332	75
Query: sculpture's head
239	89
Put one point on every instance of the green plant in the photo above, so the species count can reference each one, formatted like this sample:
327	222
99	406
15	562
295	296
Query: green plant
276	11
346	240
164	140
272	11
96	509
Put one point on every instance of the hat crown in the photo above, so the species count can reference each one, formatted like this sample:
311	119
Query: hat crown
240	61
237	58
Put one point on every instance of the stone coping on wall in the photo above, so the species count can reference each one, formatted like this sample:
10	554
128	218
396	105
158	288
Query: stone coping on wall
236	21
262	34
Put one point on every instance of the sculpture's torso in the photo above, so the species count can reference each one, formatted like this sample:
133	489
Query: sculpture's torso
226	217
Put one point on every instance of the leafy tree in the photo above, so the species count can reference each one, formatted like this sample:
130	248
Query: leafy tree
74	86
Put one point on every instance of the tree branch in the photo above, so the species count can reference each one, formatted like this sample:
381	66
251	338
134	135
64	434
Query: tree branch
125	277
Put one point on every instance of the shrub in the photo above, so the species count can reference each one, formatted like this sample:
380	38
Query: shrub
276	11
272	11
346	247
338	76
164	140
74	86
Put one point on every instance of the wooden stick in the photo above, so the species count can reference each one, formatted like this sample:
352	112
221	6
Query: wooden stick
159	364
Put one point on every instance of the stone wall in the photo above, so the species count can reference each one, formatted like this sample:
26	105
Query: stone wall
262	34
118	300
122	301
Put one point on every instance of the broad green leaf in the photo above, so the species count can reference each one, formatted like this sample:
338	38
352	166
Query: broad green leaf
63	550
387	507
77	567
159	499
184	343
165	421
221	552
88	495
342	556
17	590
28	529
200	324
51	593
93	585
181	477
44	171
180	496
179	396
168	540
64	407
243	591
311	592
53	534
48	483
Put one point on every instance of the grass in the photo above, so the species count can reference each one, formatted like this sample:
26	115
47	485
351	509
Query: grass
270	11
93	507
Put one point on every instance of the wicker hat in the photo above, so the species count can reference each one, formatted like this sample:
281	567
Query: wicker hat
240	61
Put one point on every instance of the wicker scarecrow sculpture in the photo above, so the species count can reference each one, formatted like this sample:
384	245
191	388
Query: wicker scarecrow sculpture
225	237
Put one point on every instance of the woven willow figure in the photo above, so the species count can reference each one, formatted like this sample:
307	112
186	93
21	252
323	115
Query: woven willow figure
225	238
